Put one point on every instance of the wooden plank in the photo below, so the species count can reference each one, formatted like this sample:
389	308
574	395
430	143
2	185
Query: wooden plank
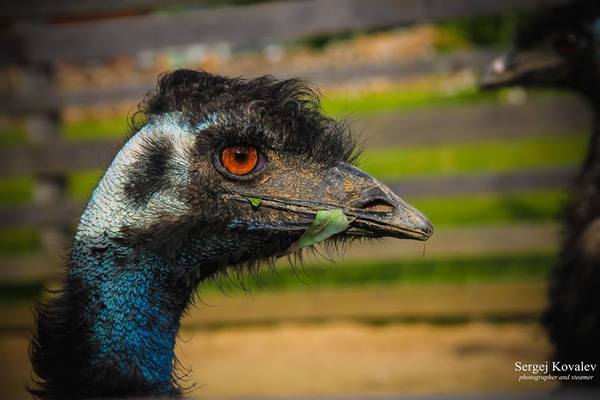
253	24
476	122
29	268
554	178
19	103
36	9
32	215
551	178
463	241
437	64
58	157
396	71
475	60
422	303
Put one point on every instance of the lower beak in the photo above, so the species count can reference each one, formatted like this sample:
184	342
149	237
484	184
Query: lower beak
373	209
518	67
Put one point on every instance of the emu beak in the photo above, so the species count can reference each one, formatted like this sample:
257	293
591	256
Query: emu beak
370	207
373	209
517	67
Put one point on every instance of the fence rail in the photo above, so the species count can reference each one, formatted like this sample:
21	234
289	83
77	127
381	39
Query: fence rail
39	102
58	157
243	25
35	9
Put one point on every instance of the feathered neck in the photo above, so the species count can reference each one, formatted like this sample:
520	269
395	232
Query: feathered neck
112	330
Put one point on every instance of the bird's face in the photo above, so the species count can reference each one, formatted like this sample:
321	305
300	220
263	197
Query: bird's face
229	171
268	184
559	48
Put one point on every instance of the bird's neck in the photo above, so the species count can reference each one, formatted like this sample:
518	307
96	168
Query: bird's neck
118	332
120	307
133	314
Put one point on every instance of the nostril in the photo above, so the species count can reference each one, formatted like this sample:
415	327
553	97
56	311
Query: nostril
378	205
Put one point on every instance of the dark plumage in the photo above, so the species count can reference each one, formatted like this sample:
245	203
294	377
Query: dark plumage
150	174
560	48
173	209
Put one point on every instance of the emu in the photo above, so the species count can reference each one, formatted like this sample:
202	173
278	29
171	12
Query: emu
560	48
221	174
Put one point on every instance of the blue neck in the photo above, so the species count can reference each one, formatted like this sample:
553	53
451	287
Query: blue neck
133	316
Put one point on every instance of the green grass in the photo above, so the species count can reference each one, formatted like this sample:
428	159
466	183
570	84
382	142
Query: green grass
18	241
12	134
492	268
493	156
96	128
112	127
418	95
15	190
479	209
339	105
81	183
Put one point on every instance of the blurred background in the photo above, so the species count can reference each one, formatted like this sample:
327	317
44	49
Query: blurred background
490	169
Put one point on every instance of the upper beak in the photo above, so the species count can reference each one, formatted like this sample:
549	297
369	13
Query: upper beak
373	209
517	67
369	206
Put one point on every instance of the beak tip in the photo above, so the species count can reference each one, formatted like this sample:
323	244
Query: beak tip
424	227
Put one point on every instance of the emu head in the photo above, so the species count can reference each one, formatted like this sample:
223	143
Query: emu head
559	47
225	172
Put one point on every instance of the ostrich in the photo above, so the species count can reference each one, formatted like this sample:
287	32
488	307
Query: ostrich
561	48
221	173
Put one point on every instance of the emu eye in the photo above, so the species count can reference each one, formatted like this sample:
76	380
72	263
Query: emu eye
569	44
240	159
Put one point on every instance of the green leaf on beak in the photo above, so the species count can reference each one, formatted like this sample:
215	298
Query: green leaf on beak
255	201
326	224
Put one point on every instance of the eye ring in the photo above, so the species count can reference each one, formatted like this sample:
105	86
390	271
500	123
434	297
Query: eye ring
240	161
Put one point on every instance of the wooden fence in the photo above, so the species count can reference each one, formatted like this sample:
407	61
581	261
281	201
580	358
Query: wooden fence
34	43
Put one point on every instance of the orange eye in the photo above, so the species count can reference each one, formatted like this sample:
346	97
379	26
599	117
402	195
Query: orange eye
239	160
